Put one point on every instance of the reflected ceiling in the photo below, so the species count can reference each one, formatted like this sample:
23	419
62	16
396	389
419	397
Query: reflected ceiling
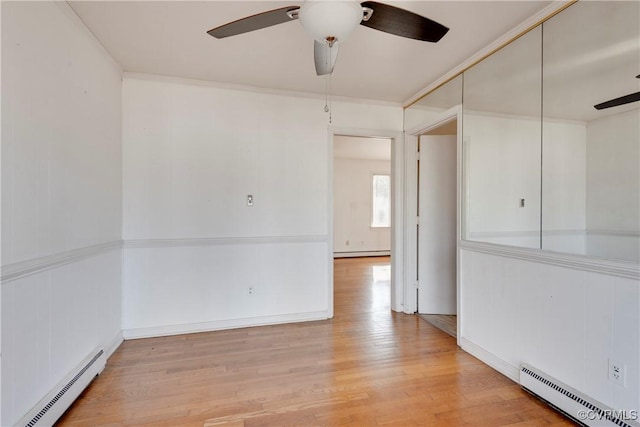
591	54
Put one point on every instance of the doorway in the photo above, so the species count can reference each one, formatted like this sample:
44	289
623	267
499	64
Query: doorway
437	220
361	196
437	269
395	230
436	234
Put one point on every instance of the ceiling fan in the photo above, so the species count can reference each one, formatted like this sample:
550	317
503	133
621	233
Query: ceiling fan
627	99
330	22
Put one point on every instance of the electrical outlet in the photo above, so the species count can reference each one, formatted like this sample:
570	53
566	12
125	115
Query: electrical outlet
251	290
617	372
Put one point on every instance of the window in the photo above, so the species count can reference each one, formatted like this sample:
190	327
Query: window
381	206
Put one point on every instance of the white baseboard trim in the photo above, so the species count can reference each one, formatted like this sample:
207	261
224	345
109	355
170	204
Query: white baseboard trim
360	254
113	345
219	325
511	372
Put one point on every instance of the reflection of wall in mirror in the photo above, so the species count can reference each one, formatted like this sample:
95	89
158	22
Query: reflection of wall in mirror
419	115
435	103
503	166
590	188
613	186
564	177
503	160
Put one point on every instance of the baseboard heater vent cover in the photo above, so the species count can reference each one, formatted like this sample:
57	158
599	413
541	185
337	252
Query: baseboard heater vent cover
54	404
574	404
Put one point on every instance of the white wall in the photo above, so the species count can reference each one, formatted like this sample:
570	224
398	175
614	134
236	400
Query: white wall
613	186
565	320
352	199
61	199
192	154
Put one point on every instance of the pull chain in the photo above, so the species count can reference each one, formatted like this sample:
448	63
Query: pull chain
326	79
330	97
327	82
326	94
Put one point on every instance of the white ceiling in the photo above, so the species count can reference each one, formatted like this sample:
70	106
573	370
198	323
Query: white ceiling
169	38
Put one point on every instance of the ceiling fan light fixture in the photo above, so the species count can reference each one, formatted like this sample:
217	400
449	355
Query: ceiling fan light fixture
330	21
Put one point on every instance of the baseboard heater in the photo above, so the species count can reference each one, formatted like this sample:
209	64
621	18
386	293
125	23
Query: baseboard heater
580	408
53	405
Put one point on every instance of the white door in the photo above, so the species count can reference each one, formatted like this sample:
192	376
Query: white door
437	224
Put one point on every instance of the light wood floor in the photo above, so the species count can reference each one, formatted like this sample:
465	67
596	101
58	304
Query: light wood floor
366	367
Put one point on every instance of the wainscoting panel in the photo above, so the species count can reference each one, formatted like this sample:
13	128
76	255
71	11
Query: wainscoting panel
51	320
178	286
566	316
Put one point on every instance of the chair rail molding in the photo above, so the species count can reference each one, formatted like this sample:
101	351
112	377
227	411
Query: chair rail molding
220	241
627	269
28	267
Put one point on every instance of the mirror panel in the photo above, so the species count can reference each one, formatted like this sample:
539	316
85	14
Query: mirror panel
502	145
591	158
543	168
431	106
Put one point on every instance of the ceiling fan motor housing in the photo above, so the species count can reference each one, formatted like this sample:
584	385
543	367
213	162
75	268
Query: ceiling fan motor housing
330	21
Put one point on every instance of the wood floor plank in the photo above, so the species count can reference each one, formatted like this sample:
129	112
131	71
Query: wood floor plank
367	366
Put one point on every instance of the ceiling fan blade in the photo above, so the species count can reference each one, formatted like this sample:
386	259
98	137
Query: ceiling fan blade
403	23
627	99
255	22
325	57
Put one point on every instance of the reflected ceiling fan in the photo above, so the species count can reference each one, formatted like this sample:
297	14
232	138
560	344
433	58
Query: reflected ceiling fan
627	99
330	22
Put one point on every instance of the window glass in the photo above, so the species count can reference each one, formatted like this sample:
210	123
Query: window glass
381	206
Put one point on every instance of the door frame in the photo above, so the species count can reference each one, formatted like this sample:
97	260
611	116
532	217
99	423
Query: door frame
411	138
397	199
